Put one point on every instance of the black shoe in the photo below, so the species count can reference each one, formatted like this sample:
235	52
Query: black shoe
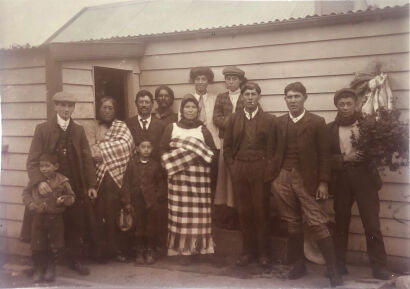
298	270
326	247
38	266
80	268
381	273
244	260
50	274
263	261
149	257
139	257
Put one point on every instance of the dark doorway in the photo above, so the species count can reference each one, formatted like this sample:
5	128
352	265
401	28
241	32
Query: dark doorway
112	82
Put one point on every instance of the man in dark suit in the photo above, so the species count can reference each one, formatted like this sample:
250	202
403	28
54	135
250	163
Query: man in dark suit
354	179
303	173
62	136
143	126
248	152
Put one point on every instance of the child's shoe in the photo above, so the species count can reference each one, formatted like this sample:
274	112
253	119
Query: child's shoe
139	259
50	274
149	257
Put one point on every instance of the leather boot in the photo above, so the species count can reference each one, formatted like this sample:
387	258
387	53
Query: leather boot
51	266
139	258
149	256
340	241
326	246
297	256
38	270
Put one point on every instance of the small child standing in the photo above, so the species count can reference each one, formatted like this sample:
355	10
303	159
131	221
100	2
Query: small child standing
144	180
47	227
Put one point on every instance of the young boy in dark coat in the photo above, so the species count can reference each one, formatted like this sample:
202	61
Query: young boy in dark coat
47	231
144	180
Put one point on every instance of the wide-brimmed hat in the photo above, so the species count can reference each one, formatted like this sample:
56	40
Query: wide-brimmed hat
201	71
63	96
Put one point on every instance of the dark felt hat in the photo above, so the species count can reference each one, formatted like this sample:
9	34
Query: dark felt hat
233	70
344	92
63	96
201	71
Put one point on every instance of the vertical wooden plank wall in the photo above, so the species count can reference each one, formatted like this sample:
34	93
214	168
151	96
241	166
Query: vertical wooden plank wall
23	103
324	59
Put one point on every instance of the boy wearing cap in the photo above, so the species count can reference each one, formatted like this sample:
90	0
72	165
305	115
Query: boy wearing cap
65	138
354	179
227	103
302	159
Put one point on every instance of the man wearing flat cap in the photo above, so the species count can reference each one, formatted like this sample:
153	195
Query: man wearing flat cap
65	138
227	103
354	179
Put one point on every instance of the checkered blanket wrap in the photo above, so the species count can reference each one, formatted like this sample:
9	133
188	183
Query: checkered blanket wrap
116	149
189	194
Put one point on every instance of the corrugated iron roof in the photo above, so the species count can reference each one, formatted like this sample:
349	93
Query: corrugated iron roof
143	18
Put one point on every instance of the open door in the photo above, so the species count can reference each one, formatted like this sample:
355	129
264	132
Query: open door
112	82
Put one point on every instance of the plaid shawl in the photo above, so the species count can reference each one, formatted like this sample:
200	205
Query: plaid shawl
116	149
189	196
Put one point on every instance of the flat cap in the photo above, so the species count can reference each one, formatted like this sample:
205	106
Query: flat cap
233	70
63	96
344	92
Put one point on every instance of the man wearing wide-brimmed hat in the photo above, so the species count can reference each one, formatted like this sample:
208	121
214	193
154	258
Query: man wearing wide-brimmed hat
65	138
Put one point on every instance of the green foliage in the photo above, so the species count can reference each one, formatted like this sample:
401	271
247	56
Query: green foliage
384	139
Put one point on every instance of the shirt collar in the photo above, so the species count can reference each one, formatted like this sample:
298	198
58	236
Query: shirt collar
296	119
147	119
62	123
252	114
197	96
235	93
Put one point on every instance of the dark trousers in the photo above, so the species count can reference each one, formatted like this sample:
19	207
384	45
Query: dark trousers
252	205
149	229
358	184
78	221
107	207
47	232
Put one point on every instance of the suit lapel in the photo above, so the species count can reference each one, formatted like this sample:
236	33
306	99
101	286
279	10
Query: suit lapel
303	123
54	134
335	137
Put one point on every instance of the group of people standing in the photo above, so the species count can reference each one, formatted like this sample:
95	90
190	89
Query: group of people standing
168	168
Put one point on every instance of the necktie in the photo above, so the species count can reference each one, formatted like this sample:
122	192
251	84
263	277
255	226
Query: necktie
250	115
202	115
144	124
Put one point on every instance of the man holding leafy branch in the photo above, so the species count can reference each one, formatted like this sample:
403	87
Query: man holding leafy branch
354	179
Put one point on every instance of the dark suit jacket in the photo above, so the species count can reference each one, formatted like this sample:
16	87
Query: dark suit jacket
223	109
45	140
265	137
336	160
313	148
153	133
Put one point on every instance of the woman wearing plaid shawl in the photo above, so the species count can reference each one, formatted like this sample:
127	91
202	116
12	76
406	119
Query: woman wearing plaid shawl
188	149
112	147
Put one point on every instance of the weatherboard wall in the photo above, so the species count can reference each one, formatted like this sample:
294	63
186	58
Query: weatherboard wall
324	58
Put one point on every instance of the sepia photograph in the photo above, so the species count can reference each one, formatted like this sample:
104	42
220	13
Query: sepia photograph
205	144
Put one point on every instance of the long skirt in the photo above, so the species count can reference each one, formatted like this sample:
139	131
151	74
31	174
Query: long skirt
189	212
224	194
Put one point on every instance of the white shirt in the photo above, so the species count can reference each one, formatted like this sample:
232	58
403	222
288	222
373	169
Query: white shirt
296	119
62	123
345	134
234	96
197	96
252	115
148	120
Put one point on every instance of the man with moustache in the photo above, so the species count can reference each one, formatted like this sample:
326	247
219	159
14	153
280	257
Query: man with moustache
65	138
144	126
302	176
248	152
